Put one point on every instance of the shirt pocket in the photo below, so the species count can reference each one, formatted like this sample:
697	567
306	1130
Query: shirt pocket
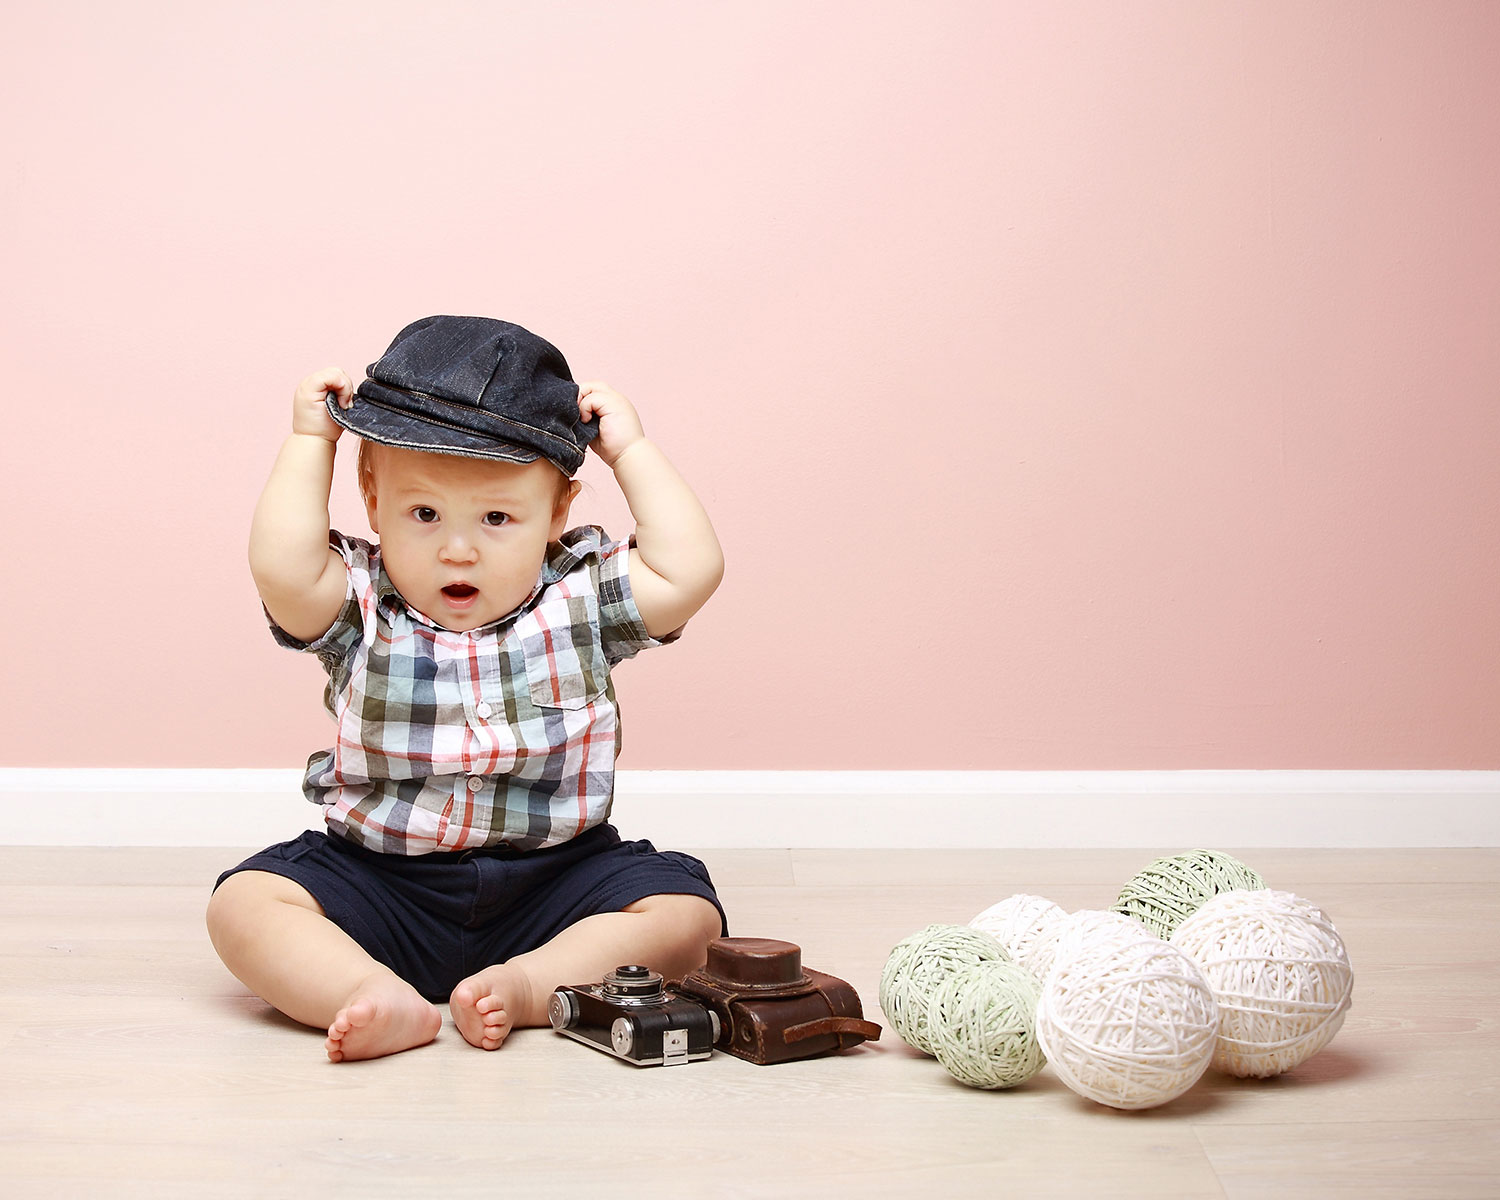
565	667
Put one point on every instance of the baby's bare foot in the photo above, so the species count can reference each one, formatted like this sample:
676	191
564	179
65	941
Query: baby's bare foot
487	1006
383	1016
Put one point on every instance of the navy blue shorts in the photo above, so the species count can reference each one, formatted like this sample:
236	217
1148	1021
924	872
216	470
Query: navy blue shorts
435	919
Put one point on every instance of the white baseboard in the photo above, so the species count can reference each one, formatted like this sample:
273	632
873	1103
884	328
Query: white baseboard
825	809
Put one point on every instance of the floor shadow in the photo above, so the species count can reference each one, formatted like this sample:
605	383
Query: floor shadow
1331	1065
1195	1102
243	1006
274	1019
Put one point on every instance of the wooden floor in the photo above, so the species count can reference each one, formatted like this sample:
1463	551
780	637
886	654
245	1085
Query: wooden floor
132	1063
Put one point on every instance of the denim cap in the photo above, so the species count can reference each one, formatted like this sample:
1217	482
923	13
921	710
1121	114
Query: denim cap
475	387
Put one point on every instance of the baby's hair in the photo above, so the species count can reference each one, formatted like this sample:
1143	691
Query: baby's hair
365	468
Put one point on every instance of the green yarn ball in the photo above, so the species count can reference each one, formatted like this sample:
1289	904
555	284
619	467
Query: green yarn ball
1172	889
982	1025
919	964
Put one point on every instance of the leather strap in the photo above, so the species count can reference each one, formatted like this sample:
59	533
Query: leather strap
808	1029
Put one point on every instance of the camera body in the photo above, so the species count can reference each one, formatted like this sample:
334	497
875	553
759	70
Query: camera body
634	1016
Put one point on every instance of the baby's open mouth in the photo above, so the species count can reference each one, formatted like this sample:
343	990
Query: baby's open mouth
460	591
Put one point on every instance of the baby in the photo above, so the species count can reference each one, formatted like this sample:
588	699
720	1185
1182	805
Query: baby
467	855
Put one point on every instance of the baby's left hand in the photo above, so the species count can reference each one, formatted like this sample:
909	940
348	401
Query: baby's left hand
619	426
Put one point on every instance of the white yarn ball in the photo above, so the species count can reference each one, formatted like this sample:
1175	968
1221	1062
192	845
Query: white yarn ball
1280	973
1086	927
1020	923
1127	1023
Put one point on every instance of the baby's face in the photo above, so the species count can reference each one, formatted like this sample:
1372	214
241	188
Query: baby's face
464	539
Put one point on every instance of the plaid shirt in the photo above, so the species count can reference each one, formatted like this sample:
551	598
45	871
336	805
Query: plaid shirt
502	735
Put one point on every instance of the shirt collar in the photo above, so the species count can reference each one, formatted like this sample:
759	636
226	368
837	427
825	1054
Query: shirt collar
564	555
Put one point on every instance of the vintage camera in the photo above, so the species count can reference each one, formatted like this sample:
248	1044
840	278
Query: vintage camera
633	1015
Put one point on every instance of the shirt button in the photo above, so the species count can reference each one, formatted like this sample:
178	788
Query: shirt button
484	711
475	783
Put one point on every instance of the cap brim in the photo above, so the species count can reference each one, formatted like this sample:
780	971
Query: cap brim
392	427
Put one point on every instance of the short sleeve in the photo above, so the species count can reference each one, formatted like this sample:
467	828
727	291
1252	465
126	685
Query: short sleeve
347	629
622	630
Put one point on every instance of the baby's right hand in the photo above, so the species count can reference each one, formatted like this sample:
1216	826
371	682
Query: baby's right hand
309	410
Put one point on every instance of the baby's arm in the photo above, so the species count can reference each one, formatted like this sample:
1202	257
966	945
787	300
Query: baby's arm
301	579
676	563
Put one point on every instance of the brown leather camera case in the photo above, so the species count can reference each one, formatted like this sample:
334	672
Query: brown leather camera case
770	1008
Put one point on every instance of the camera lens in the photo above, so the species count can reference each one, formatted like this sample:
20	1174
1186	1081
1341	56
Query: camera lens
633	983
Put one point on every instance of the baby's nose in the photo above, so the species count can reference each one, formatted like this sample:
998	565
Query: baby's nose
458	548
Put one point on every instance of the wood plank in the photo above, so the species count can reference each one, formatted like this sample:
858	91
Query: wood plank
131	1060
1413	1157
1106	871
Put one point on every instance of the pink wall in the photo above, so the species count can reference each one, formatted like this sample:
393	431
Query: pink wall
1080	385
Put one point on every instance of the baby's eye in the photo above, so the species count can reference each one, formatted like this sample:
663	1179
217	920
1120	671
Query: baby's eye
495	518
424	514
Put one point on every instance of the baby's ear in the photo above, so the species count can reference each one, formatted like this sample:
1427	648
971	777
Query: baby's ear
367	493
365	469
565	498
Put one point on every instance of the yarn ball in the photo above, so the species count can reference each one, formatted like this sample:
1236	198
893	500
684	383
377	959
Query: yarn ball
1127	1023
917	965
1020	923
982	1025
1171	889
1280	973
1086	927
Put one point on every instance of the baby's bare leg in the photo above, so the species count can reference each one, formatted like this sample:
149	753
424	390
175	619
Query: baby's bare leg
667	933
273	936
